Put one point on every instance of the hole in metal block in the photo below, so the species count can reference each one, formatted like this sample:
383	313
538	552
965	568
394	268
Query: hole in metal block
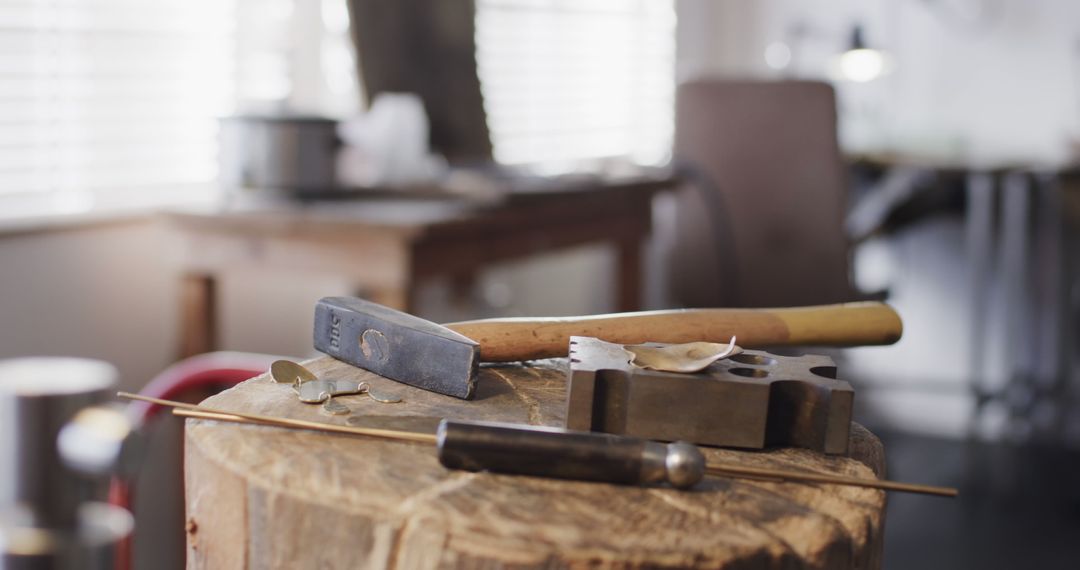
824	371
749	372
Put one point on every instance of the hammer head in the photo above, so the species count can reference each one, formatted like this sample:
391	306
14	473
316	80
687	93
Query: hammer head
397	345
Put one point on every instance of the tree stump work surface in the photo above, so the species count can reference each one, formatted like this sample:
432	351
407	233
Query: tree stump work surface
264	497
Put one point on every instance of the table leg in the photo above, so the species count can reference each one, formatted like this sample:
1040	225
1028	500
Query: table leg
979	244
1038	308
1051	359
628	273
1017	390
197	315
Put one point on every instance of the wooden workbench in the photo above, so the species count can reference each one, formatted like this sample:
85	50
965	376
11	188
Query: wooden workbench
387	246
262	497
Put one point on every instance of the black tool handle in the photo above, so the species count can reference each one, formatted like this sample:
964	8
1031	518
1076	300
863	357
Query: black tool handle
562	454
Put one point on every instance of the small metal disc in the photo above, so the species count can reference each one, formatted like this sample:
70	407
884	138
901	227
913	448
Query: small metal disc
335	407
289	372
383	397
315	391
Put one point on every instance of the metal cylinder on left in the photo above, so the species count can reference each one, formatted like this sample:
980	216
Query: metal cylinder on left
51	509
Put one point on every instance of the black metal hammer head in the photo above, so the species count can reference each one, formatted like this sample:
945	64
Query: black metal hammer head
397	345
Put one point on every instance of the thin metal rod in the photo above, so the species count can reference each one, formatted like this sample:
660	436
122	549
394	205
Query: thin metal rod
287	422
185	413
722	470
761	472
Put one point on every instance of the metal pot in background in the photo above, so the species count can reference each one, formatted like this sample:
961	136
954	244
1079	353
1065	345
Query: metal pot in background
289	153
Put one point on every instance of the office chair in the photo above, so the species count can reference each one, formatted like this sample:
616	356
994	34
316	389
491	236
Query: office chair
763	222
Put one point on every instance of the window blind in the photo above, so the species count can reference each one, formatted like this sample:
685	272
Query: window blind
116	101
569	81
102	98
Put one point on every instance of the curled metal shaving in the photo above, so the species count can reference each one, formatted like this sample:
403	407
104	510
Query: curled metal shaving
686	358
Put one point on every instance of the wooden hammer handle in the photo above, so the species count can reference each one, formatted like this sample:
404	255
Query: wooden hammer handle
849	324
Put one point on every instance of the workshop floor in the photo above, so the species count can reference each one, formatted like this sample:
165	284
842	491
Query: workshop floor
1019	507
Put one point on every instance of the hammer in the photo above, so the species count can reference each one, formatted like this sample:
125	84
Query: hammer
445	358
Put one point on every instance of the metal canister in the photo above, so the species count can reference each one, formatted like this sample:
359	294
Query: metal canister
294	154
59	445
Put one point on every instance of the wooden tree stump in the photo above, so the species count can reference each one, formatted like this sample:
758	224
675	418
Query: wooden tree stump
263	497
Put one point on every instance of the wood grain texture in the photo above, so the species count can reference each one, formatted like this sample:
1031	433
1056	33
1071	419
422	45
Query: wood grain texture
272	498
845	324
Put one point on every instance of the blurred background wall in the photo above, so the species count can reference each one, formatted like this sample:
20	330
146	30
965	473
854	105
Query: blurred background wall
76	290
979	78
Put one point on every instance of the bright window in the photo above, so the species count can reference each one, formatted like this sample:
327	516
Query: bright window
112	105
569	81
108	104
110	100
